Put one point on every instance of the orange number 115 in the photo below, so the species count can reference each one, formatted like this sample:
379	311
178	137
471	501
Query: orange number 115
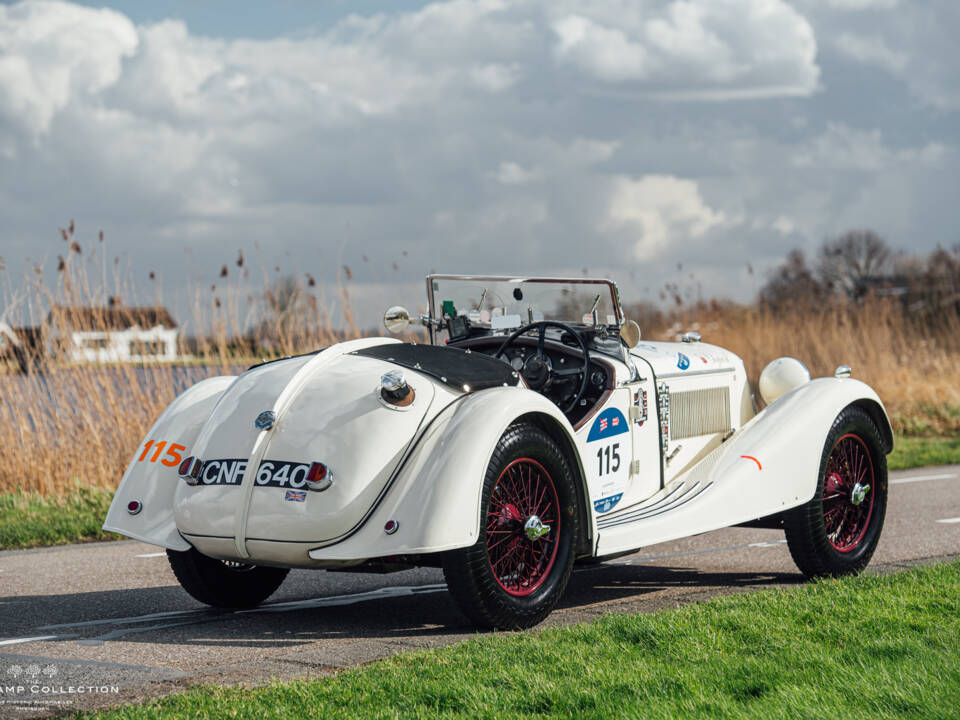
171	458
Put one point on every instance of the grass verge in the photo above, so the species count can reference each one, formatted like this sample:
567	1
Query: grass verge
872	646
32	520
912	452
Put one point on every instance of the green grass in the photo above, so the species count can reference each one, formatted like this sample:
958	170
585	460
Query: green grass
31	520
911	452
867	647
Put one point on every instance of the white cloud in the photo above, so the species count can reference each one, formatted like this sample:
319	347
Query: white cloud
721	49
872	50
856	5
659	210
784	225
841	147
510	173
52	52
494	136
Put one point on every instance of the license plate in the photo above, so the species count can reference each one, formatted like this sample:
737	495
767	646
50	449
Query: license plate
271	473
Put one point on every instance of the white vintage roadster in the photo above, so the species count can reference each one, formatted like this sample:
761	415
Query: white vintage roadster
532	431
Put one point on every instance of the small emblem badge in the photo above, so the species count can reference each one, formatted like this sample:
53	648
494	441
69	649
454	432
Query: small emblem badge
265	420
295	495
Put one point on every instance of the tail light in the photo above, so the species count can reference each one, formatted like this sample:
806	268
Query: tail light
319	477
190	469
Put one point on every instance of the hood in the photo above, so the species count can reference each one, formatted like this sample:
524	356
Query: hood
328	410
677	359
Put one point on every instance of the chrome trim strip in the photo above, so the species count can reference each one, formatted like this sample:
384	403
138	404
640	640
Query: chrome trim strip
694	373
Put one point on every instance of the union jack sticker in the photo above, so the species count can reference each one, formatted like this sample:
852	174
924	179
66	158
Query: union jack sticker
295	495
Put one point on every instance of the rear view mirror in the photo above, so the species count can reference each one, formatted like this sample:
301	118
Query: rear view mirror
396	319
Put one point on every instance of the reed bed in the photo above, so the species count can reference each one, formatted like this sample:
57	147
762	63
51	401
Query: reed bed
913	363
71	423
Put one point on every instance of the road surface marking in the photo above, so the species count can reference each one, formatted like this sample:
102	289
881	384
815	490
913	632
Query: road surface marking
208	615
950	520
122	632
37	638
138	618
148	555
922	478
334	600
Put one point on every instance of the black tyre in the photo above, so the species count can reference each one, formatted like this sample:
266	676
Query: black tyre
224	584
837	531
516	572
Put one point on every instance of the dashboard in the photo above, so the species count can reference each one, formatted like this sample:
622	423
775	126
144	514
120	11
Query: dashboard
558	377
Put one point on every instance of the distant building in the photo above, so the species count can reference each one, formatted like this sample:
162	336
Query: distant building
8	341
116	333
23	346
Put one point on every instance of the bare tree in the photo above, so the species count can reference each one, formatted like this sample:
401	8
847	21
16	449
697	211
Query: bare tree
847	264
792	285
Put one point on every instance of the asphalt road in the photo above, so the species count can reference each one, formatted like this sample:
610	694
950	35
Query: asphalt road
111	619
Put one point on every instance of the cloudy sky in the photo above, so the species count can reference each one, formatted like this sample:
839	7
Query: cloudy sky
627	137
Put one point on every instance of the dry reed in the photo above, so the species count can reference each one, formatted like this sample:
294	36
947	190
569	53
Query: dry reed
75	422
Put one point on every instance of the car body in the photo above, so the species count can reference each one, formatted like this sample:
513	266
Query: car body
381	454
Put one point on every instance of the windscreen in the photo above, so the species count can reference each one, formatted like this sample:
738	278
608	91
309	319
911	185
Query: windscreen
505	303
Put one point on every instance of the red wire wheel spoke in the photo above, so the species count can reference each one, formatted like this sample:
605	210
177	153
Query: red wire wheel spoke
850	464
524	489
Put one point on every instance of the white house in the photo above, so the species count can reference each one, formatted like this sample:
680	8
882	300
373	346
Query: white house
8	338
117	333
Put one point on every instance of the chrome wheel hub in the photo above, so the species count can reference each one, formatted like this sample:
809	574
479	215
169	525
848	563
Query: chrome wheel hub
534	528
858	493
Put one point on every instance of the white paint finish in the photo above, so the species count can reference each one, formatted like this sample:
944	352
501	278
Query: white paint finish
152	555
330	418
787	438
436	496
923	478
950	521
154	484
327	411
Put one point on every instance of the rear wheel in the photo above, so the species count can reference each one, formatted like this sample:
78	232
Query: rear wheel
516	572
837	532
222	583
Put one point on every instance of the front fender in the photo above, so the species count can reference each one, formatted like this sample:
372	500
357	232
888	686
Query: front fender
788	438
772	464
152	484
436	495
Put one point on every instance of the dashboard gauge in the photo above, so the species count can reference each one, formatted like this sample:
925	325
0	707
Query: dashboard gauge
598	378
516	362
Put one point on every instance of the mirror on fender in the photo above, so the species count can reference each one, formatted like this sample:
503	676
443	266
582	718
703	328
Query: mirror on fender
630	333
396	319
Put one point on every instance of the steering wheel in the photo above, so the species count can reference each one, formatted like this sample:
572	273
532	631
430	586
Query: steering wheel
538	373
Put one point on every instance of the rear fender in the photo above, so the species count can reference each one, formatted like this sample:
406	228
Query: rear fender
436	496
152	483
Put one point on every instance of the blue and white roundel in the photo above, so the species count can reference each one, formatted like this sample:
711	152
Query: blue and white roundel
608	423
604	505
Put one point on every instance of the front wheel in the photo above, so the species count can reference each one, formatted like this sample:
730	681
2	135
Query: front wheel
222	583
837	532
515	573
